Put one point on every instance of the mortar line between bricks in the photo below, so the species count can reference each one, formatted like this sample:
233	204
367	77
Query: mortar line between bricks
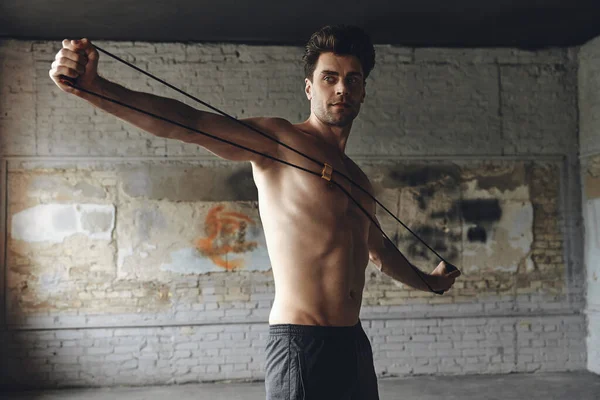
573	313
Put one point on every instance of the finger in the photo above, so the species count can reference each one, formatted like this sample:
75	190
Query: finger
56	73
72	55
65	62
84	46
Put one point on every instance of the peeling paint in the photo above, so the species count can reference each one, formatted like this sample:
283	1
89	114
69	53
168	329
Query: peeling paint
55	222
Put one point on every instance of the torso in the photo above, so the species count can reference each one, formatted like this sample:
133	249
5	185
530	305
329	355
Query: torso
316	236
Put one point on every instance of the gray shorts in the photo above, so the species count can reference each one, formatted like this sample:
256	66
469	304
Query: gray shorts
305	362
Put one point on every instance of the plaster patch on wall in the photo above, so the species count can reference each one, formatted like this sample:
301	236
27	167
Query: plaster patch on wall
189	238
189	261
55	222
232	241
55	187
123	254
509	239
473	191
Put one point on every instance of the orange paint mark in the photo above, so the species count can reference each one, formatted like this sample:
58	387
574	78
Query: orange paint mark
225	234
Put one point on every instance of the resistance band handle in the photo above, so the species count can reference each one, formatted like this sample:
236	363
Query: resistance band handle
449	268
68	80
326	172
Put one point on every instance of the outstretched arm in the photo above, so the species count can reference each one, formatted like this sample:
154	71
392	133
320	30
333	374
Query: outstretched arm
79	60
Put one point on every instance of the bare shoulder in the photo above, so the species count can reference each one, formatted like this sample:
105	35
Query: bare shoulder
269	125
271	128
359	175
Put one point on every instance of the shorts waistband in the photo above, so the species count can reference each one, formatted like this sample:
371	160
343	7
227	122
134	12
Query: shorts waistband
314	330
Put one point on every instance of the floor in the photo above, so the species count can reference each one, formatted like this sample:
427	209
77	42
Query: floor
547	386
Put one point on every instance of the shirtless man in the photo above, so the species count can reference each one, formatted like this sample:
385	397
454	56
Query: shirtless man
319	241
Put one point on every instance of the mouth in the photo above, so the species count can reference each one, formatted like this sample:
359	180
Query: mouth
341	105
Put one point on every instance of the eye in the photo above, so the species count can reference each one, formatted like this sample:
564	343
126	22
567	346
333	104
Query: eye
329	78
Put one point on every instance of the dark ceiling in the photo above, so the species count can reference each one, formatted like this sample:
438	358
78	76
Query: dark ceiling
419	23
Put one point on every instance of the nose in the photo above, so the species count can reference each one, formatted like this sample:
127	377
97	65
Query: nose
342	88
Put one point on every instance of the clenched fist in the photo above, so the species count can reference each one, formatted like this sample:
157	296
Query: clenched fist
443	277
77	60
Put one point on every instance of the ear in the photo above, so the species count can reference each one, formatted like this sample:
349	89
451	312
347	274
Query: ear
308	88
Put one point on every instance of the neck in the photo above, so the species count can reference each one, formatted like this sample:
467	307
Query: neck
335	136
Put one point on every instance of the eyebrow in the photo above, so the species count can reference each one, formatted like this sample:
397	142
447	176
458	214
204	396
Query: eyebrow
327	72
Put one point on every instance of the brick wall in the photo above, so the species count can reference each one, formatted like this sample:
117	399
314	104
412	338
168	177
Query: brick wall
499	124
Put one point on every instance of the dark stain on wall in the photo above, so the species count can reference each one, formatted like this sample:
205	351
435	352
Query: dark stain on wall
450	215
424	195
439	240
480	210
425	180
192	183
405	175
510	180
477	234
241	185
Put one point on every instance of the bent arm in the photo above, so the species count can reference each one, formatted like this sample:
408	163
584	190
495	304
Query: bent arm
392	262
177	111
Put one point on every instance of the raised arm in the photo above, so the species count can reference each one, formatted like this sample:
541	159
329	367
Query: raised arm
79	60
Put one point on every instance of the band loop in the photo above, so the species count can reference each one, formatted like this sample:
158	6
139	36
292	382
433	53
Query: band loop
326	172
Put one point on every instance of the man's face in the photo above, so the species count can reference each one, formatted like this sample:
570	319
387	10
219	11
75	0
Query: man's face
337	89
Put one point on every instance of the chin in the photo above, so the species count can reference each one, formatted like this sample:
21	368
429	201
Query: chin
341	122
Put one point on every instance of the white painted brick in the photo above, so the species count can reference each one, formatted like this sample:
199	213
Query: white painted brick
117	357
99	350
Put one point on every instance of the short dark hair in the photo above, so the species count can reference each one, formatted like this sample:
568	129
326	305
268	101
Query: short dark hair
341	40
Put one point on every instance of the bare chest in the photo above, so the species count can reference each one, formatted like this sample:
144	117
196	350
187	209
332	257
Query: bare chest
345	196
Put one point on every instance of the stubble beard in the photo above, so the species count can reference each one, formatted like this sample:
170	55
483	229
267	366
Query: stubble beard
326	115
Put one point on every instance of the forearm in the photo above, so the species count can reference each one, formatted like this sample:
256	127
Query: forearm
397	267
165	107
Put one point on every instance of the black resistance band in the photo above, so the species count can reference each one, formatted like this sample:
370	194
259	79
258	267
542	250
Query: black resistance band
326	172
